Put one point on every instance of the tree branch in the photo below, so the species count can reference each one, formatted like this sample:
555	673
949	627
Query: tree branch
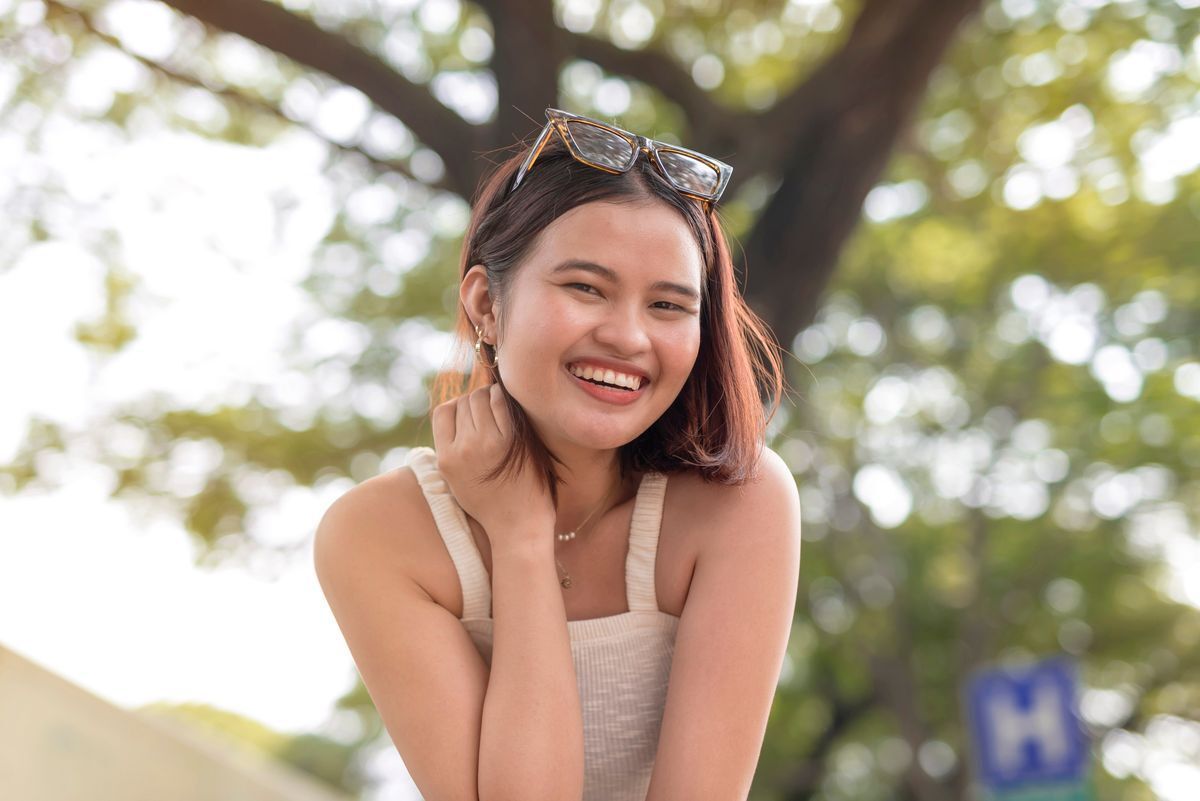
896	686
893	676
526	58
233	95
289	34
843	123
708	121
803	782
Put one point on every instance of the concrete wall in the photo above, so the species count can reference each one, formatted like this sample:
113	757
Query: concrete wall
59	742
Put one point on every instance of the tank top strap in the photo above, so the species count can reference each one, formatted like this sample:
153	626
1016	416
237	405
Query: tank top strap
452	525
643	543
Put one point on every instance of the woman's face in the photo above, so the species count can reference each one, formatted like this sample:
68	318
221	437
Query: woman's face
635	310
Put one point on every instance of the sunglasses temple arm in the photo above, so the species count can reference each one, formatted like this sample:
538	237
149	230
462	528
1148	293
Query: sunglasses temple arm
533	154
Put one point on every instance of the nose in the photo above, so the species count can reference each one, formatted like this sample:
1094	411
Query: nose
623	330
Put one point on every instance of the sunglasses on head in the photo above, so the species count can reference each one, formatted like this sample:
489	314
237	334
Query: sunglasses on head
606	147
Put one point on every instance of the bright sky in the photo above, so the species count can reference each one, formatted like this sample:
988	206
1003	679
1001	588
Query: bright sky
112	602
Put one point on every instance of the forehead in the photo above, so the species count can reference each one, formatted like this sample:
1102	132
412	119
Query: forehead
641	241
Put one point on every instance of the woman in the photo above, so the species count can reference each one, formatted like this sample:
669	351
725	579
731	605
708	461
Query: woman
585	589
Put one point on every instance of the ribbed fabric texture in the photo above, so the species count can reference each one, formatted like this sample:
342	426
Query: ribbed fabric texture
622	662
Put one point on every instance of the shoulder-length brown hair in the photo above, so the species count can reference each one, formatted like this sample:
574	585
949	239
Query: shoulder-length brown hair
716	426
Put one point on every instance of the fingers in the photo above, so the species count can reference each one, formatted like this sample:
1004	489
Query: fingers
443	423
481	412
500	411
463	420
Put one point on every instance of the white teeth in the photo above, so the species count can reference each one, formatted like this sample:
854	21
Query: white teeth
607	376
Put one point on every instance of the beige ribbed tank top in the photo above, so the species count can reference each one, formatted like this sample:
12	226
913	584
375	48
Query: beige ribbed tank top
622	662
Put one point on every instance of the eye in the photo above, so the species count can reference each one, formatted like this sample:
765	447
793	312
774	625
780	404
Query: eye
584	286
665	305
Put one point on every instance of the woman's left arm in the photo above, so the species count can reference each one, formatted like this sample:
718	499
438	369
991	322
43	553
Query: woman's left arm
731	640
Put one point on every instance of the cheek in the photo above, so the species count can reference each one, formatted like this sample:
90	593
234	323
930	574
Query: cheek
534	321
538	332
681	353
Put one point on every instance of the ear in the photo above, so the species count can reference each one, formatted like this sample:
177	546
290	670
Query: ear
477	300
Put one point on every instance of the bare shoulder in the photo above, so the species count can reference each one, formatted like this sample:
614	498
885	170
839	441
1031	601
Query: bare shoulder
418	664
732	635
377	523
765	509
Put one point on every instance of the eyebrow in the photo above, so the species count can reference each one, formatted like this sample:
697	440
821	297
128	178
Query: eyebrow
608	273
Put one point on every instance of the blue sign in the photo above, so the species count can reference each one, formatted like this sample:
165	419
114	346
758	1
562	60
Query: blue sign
1025	726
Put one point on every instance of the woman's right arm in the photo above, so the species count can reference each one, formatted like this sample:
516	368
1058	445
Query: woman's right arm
423	673
463	733
531	743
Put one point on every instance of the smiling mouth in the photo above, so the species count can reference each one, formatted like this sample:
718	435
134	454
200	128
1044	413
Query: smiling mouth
619	381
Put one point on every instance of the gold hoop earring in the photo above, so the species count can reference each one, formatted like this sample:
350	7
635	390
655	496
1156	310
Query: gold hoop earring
479	350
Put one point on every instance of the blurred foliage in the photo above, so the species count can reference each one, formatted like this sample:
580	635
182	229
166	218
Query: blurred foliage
324	758
997	441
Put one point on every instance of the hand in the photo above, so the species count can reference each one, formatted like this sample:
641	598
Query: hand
471	434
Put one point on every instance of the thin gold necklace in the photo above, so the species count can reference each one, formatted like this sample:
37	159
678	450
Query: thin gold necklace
565	579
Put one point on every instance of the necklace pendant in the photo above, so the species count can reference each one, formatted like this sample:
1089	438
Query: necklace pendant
565	582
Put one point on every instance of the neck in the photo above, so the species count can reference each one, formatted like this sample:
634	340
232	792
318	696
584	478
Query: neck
591	485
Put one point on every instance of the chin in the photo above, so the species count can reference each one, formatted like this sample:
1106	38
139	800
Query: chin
598	434
595	433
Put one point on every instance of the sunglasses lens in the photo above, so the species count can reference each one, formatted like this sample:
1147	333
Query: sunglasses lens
600	146
689	173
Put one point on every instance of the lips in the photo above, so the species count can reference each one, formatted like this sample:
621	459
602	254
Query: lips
613	395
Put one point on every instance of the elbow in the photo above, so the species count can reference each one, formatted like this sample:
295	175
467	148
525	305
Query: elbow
524	792
526	795
512	779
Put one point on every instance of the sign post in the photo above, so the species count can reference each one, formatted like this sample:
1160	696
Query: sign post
1027	738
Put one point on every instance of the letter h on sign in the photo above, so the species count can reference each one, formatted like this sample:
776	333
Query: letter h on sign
1025	725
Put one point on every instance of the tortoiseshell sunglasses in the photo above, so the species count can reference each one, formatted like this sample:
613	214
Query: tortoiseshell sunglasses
606	147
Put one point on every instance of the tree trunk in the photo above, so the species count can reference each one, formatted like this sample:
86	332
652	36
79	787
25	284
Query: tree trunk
842	124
